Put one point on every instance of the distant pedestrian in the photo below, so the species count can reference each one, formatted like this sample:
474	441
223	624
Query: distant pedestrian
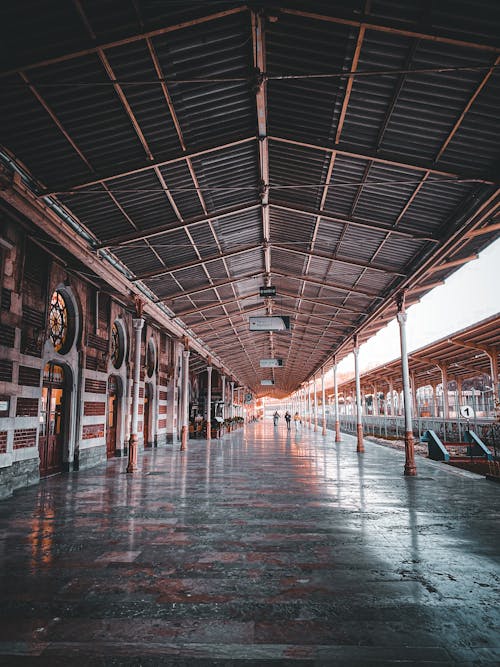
288	419
276	416
297	420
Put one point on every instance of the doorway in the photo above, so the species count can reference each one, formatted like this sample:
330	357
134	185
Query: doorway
112	417
146	427
52	420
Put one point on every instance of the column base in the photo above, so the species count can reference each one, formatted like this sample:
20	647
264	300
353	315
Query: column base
184	437
132	453
323	432
410	467
360	446
337	432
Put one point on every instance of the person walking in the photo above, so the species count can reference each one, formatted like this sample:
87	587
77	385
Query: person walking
276	416
288	419
297	420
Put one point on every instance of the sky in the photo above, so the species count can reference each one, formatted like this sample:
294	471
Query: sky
470	294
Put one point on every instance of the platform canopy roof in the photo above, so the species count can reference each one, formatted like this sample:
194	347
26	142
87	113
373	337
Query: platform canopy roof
463	355
339	151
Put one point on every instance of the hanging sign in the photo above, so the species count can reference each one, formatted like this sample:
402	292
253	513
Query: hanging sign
271	363
267	382
270	323
267	291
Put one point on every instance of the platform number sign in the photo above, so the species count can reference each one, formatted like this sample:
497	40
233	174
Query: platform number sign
467	412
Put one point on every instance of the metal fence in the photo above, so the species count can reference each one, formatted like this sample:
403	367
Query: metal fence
449	430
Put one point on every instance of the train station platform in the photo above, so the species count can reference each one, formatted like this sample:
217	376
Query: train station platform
264	547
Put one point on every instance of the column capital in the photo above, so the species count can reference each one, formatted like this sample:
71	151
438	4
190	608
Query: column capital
138	323
402	317
209	369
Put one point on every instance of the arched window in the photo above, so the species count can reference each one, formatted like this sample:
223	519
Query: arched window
61	321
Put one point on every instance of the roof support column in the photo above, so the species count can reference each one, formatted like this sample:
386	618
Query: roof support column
209	401
223	377
410	467
375	401
444	379
434	412
390	405
315	404
231	406
309	404
494	378
323	401
185	397
360	447
138	324
413	388
336	399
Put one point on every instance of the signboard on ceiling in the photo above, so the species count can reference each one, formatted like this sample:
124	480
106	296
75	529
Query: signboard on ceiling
270	323
271	363
267	291
267	382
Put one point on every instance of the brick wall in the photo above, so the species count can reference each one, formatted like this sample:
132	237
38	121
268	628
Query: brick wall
24	437
95	386
94	409
27	407
29	377
93	431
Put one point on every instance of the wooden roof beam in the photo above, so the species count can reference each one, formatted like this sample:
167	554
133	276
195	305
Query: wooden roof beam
351	262
74	188
384	26
391	160
189	265
126	40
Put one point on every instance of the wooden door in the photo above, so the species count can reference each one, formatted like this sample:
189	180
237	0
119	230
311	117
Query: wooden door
111	427
145	423
51	436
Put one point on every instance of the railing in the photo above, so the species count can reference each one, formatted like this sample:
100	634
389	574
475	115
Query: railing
450	430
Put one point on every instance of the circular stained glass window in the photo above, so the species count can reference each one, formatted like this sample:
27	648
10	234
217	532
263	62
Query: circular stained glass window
58	321
117	345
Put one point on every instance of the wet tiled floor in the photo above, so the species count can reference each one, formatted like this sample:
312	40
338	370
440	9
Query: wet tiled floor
261	548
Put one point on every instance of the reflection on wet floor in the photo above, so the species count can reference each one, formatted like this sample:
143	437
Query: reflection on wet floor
263	547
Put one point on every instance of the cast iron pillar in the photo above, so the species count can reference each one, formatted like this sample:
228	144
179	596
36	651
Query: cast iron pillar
138	324
315	404
410	467
185	398
223	378
309	404
336	398
323	401
231	407
360	447
209	401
